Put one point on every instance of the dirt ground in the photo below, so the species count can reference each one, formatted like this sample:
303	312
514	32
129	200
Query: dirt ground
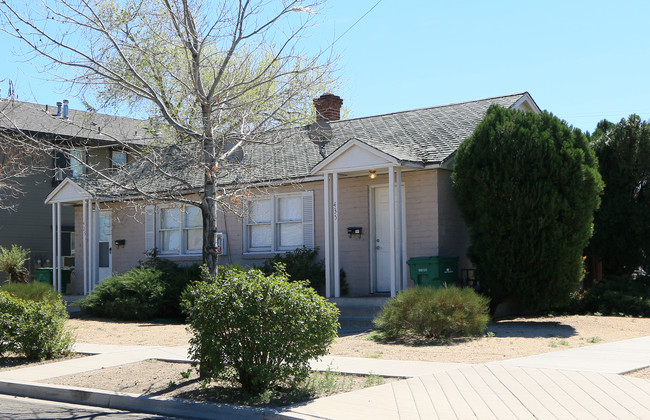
504	339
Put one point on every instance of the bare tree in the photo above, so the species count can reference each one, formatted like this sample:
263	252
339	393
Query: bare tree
219	76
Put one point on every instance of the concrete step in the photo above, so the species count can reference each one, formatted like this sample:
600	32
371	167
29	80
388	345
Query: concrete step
357	313
353	324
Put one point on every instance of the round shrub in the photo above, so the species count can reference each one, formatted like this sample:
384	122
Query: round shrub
257	330
434	313
33	329
143	293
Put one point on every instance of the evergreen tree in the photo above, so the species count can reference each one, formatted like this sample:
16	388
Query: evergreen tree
622	224
527	185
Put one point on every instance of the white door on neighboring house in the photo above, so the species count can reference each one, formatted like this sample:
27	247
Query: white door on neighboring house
381	237
104	236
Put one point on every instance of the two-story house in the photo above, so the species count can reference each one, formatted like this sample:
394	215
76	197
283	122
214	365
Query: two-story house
80	140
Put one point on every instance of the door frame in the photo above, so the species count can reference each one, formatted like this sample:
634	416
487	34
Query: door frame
400	235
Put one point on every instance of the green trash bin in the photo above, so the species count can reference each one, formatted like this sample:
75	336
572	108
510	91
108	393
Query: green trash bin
44	275
433	271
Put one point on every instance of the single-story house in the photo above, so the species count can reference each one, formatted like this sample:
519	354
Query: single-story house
369	192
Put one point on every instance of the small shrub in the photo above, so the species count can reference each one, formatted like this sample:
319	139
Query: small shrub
257	330
621	296
302	265
33	329
434	313
35	291
143	293
12	262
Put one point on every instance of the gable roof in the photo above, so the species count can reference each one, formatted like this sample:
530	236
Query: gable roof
41	120
418	137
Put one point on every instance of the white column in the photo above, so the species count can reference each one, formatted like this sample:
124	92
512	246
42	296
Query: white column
401	238
84	244
335	236
391	224
96	245
58	248
54	250
328	240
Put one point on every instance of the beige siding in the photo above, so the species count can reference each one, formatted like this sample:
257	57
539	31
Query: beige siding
454	237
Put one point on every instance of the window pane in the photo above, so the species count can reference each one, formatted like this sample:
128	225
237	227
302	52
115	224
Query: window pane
104	227
193	217
170	218
289	209
291	235
171	240
194	238
260	236
118	158
77	158
260	211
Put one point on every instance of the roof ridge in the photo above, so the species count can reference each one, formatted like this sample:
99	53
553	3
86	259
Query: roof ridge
431	107
101	114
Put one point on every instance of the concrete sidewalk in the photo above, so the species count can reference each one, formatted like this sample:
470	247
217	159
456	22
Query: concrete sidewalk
574	383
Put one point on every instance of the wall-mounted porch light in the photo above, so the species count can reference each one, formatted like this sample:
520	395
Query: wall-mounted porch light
373	174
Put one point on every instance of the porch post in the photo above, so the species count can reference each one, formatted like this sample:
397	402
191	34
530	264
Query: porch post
401	268
84	244
54	250
328	241
58	248
96	245
392	227
335	236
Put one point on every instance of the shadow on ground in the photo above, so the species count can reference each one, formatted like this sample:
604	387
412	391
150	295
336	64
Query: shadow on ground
531	329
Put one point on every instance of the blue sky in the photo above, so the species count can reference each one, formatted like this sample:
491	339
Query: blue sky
582	60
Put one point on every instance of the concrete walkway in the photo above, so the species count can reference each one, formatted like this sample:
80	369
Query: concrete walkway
578	383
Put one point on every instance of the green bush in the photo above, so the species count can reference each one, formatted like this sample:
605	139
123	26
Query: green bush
36	291
12	262
33	329
527	185
258	330
143	293
434	313
302	264
613	296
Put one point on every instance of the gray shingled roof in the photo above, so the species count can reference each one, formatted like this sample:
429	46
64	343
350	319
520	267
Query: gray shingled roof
423	136
36	119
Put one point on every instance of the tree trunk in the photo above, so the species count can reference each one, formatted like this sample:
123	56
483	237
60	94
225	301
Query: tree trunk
210	229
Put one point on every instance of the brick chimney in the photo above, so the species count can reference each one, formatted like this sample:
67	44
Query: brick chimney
328	107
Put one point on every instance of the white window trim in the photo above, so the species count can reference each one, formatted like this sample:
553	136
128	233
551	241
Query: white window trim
180	229
306	222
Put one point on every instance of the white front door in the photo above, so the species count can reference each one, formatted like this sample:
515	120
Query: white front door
380	246
105	244
381	240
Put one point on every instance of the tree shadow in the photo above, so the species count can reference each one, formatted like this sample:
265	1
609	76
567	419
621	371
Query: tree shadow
531	329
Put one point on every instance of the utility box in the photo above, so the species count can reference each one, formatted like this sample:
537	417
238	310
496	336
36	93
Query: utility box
44	275
433	271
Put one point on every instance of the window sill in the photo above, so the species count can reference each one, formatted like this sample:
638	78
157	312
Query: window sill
177	257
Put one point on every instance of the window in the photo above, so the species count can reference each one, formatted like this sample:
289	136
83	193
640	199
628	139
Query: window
118	158
180	231
77	160
281	222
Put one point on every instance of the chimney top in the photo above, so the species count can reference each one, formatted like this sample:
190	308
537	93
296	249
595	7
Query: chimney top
58	108
328	107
